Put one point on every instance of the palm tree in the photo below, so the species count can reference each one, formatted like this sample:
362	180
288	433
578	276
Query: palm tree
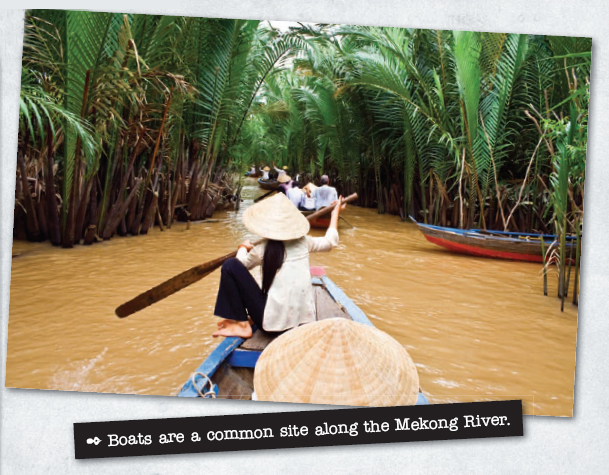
131	120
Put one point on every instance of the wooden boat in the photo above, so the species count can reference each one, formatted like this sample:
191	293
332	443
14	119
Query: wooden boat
321	223
268	184
230	367
496	244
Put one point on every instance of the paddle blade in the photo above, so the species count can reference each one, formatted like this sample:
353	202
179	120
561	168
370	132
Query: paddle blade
170	287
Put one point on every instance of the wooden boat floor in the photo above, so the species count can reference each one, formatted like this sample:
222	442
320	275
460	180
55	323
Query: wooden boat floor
234	383
238	383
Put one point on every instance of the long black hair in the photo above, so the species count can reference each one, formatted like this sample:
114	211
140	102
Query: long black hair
274	254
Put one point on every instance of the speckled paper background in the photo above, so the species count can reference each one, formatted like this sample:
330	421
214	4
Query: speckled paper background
36	431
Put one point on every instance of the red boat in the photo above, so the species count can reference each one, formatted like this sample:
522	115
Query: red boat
321	223
496	244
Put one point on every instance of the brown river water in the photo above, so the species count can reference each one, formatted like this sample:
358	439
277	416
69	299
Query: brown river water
477	329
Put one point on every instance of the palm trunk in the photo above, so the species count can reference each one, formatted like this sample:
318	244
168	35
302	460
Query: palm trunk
150	213
68	232
31	219
111	226
82	211
51	199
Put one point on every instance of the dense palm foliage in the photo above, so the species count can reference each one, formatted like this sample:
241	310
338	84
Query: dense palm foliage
131	120
128	120
454	128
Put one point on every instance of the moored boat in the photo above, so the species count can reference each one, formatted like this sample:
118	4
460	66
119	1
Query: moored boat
496	244
268	184
228	372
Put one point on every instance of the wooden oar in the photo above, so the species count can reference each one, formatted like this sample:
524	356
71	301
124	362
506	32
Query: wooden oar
186	278
264	196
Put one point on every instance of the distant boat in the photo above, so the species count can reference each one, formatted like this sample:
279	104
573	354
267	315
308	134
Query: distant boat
230	367
268	184
496	244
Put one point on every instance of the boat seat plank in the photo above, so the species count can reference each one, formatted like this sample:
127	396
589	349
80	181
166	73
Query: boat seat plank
259	341
240	358
326	306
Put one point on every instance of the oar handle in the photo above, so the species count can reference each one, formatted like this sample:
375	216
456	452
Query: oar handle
328	209
264	196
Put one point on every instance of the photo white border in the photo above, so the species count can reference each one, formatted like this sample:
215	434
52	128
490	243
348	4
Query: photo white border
36	429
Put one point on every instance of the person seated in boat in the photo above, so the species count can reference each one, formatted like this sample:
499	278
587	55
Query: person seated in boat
325	194
309	188
285	299
295	194
308	202
285	183
265	173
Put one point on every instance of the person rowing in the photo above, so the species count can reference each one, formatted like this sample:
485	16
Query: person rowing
280	171
285	299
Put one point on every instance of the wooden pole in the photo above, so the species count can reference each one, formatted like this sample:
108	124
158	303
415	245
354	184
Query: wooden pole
545	267
578	251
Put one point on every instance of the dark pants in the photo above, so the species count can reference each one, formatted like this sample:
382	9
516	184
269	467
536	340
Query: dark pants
239	294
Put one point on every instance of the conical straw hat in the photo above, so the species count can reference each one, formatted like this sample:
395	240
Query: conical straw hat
284	178
276	218
336	361
266	169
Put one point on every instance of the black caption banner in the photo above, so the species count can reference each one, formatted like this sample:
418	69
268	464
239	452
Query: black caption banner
282	430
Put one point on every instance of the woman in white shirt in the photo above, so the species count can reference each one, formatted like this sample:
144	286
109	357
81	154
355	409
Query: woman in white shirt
285	299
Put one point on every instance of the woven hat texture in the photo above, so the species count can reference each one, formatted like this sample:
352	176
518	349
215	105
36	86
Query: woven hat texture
337	361
276	218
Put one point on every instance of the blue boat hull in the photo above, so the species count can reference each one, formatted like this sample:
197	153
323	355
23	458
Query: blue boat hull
233	361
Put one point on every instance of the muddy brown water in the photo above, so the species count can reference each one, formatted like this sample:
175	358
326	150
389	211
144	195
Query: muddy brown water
477	329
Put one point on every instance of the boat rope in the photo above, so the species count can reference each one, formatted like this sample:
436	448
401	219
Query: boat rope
211	392
341	217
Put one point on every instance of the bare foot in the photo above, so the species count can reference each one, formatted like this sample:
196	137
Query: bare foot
233	328
223	322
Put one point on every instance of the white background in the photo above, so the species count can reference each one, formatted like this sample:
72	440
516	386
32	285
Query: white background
36	431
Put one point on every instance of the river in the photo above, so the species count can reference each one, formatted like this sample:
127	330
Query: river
477	329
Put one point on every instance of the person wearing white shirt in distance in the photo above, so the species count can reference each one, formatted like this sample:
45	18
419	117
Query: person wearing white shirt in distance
280	171
265	173
325	194
295	194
